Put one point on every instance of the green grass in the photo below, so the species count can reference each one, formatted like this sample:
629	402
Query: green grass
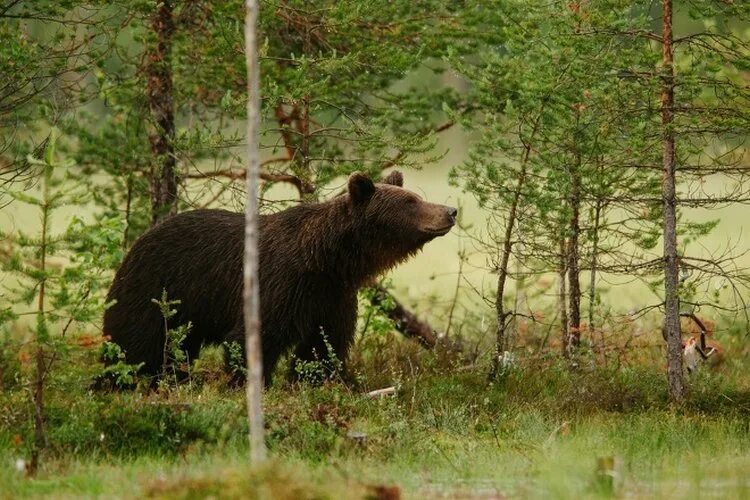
537	433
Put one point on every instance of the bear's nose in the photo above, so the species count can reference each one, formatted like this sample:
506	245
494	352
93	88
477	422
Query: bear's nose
452	212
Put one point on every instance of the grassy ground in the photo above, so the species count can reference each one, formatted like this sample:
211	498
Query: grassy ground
541	431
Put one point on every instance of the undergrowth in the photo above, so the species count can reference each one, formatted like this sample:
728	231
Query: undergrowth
444	418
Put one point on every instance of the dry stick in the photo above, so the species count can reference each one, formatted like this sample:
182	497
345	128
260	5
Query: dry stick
251	292
455	294
671	264
302	186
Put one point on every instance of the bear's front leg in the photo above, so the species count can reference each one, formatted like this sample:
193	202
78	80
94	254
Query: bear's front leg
235	357
322	353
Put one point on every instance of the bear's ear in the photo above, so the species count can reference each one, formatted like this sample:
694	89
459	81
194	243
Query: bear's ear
395	178
361	187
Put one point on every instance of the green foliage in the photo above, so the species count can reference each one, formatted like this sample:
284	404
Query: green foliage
175	362
235	354
116	370
10	366
74	283
452	424
570	90
550	102
374	320
326	365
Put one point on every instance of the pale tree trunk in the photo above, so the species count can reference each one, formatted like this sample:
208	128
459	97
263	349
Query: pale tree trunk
160	98
671	264
251	293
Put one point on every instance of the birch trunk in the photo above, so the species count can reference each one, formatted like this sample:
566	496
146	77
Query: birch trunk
251	292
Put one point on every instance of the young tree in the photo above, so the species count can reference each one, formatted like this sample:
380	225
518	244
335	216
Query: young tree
543	117
62	295
669	191
694	95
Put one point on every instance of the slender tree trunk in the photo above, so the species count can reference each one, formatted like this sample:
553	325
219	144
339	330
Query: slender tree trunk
502	273
128	201
592	282
251	292
574	228
41	339
594	264
306	173
671	298
161	106
520	298
562	294
574	286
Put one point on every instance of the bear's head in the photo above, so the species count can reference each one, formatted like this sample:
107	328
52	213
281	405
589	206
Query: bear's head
401	219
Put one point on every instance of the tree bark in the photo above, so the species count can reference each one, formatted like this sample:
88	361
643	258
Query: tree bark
671	298
161	106
251	292
502	273
594	264
592	282
562	294
574	286
41	336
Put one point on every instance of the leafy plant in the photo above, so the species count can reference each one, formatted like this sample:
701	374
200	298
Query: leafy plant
175	360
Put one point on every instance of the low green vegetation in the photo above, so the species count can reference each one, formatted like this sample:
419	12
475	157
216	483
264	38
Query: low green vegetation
539	431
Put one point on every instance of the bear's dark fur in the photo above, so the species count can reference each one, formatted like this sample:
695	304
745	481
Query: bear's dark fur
313	259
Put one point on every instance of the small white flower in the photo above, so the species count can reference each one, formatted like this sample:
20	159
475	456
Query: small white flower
507	360
101	437
20	465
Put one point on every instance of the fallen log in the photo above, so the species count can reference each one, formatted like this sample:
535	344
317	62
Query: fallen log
405	321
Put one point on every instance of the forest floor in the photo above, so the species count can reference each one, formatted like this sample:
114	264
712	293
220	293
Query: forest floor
541	431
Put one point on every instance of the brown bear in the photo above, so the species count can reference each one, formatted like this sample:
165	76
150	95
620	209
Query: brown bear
313	259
